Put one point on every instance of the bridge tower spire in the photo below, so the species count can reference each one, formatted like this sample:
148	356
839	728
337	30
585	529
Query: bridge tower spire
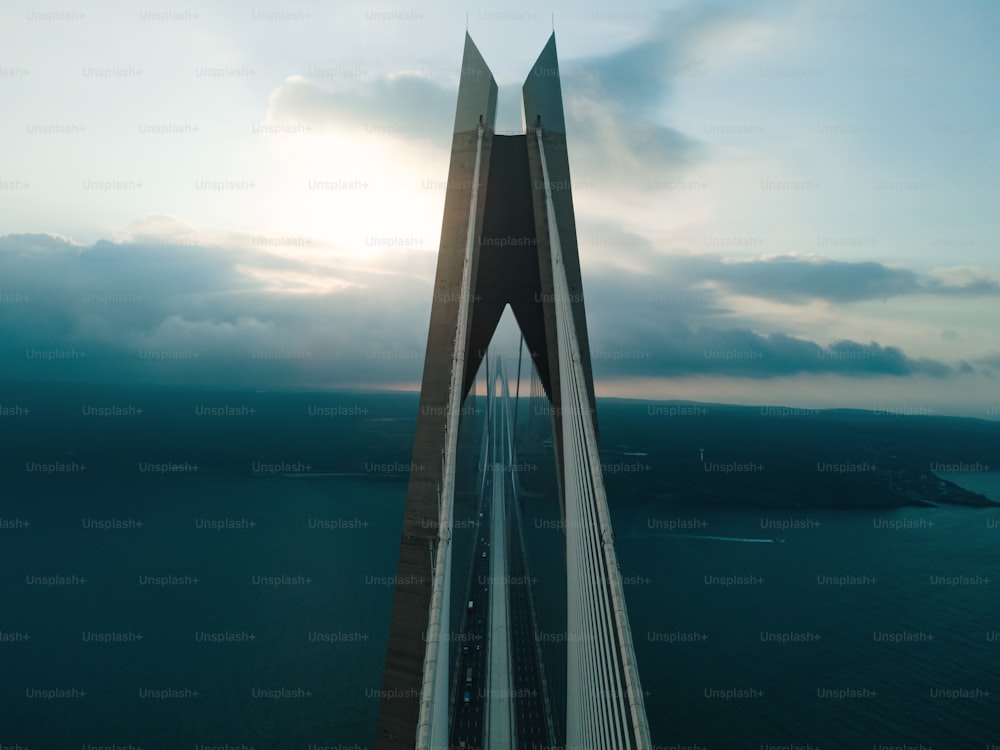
508	238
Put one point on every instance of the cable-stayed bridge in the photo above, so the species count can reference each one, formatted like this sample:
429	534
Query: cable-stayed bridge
508	239
499	693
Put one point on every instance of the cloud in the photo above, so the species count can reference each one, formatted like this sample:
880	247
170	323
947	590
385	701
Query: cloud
401	106
653	314
614	101
637	79
611	149
184	312
676	349
990	363
963	281
802	278
609	102
799	280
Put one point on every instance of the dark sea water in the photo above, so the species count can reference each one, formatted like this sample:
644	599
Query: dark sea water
873	603
862	629
339	591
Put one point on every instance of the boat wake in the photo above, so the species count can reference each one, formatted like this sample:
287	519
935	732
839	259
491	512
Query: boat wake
746	540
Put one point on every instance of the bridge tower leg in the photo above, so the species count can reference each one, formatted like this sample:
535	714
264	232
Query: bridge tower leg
511	265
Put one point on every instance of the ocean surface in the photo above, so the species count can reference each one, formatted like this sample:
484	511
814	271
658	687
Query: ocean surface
252	609
271	635
858	630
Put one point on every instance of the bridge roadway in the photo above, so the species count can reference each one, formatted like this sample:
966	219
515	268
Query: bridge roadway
500	579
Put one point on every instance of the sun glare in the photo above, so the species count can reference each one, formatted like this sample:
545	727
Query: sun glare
363	194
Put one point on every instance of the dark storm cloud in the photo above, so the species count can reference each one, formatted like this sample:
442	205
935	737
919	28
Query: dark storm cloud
663	324
677	350
162	312
669	314
177	312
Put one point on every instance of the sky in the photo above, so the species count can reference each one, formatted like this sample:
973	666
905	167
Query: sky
786	202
